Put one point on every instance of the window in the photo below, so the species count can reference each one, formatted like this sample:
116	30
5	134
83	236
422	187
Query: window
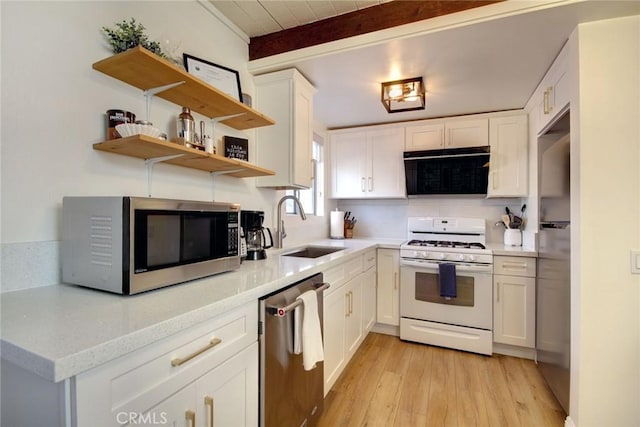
312	199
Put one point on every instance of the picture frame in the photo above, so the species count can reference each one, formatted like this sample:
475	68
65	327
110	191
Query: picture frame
222	78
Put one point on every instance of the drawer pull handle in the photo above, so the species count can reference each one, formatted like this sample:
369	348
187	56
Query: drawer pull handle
191	417
514	266
208	401
179	361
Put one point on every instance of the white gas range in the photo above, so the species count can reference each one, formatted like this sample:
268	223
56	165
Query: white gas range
460	316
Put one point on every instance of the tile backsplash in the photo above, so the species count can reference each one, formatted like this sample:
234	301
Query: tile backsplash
388	218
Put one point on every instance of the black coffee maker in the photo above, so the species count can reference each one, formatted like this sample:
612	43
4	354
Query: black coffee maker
251	222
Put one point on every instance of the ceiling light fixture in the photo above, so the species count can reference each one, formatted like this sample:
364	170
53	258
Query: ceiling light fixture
403	95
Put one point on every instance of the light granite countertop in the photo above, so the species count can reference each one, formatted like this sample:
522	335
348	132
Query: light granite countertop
59	331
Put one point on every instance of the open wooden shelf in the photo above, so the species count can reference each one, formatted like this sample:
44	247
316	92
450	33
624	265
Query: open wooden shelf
146	147
145	70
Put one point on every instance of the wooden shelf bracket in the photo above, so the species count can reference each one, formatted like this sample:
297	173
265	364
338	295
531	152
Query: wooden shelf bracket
149	93
149	163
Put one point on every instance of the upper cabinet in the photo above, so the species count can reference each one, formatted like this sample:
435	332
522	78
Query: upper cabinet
508	165
286	147
447	133
146	71
368	163
552	95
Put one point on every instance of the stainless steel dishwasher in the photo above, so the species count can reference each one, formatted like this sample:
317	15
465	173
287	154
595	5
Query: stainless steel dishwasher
289	395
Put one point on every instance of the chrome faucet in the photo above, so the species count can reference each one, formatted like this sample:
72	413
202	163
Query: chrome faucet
280	232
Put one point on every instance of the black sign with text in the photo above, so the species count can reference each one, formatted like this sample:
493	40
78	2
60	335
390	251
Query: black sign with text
236	148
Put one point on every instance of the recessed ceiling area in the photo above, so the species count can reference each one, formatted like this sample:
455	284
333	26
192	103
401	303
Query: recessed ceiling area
486	65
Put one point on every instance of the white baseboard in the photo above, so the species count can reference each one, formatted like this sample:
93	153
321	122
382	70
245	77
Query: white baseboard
386	329
515	351
568	422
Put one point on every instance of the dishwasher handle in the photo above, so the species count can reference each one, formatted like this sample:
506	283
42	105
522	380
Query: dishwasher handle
282	311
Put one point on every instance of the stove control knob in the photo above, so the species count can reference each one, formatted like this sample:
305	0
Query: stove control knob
442	257
472	258
461	257
424	255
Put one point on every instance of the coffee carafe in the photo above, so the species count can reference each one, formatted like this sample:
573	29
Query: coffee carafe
254	233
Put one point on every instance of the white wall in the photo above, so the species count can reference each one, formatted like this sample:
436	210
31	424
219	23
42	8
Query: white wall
605	375
53	110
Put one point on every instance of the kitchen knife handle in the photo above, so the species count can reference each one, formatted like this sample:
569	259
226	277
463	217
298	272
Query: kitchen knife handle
180	360
208	401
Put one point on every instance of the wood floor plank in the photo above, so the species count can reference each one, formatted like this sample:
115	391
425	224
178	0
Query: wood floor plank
394	383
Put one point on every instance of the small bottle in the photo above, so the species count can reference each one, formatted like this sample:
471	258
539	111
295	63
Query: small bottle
186	125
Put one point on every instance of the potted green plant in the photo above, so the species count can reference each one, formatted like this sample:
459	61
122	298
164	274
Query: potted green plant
130	34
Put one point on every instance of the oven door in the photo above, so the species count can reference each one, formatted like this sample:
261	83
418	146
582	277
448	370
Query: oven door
420	294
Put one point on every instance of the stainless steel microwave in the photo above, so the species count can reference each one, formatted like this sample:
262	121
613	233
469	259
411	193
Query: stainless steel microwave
447	171
129	245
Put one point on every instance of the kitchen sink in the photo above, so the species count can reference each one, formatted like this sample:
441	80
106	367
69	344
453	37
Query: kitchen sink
313	251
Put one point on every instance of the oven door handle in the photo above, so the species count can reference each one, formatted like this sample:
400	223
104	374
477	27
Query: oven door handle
433	265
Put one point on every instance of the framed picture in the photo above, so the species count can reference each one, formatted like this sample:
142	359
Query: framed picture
236	148
222	78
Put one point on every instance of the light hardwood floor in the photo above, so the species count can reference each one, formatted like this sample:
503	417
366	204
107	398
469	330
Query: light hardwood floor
390	382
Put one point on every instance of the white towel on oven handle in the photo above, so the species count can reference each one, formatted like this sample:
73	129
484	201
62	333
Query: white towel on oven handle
311	333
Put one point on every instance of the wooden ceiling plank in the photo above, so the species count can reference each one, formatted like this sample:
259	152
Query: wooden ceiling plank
375	18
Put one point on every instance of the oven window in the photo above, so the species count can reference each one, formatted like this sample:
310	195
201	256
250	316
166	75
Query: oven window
428	289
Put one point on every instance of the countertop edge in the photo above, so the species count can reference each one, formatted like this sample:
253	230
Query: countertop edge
67	366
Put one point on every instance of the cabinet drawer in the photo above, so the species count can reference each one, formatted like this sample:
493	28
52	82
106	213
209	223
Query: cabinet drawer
338	276
137	381
369	260
514	266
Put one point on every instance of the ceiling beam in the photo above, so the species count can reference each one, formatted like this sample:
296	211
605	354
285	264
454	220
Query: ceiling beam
370	19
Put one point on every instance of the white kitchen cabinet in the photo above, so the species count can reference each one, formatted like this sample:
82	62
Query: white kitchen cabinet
348	312
369	296
388	293
368	163
447	133
174	376
286	147
514	304
509	161
354	332
553	92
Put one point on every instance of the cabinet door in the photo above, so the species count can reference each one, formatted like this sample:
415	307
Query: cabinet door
466	133
335	313
348	165
353	327
303	136
368	299
388	306
429	136
287	97
385	163
553	93
178	410
514	310
228	395
509	164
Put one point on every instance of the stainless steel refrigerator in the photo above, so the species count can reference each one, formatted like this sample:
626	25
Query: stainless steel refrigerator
553	287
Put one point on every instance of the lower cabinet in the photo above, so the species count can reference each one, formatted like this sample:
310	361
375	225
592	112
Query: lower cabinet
226	396
349	312
388	292
205	376
514	305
